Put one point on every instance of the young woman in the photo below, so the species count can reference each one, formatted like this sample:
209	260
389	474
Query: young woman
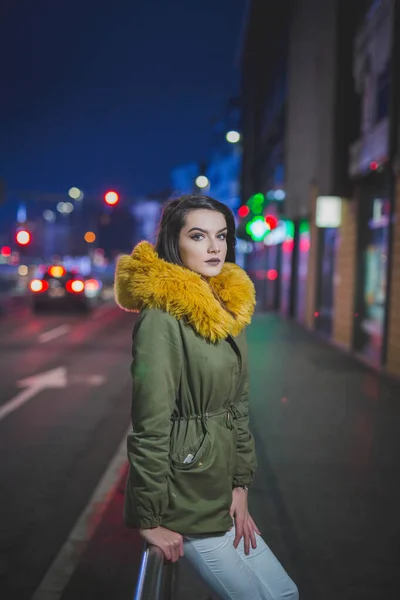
191	453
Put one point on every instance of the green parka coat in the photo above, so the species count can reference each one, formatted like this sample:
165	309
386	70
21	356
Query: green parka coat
190	442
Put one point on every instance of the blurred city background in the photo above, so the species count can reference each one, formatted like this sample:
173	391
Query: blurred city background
289	113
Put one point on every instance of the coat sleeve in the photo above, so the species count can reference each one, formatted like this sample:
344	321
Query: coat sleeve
246	462
156	369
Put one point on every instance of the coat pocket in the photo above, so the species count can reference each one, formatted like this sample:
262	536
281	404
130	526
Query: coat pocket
192	455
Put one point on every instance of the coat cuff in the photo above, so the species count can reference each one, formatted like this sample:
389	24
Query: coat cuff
241	480
136	522
149	522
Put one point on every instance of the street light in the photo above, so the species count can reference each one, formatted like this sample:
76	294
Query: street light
65	207
22	270
75	193
49	215
202	181
233	137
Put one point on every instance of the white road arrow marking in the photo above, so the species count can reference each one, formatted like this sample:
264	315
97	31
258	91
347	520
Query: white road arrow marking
56	378
53	333
93	380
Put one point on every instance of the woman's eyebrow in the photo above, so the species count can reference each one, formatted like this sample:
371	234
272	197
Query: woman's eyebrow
205	230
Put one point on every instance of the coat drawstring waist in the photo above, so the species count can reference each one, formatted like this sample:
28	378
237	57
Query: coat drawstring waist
232	413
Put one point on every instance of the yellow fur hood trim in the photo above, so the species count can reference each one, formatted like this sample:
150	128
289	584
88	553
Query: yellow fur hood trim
143	280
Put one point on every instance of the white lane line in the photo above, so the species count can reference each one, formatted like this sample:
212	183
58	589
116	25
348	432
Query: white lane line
53	333
65	563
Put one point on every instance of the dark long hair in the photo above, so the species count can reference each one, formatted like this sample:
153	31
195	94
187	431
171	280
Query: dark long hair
173	219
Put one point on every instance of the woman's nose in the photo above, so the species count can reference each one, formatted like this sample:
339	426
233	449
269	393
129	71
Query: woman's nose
214	248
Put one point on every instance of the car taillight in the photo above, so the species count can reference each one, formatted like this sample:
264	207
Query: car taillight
92	285
56	271
75	286
38	285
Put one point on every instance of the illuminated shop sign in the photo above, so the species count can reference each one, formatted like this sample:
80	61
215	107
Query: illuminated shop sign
329	211
380	213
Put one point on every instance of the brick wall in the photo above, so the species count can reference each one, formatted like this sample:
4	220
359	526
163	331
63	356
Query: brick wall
393	356
312	262
345	277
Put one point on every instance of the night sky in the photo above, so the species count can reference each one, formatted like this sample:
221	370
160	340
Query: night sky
103	94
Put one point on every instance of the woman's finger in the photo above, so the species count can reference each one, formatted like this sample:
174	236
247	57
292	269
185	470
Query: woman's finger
177	549
254	526
246	540
239	532
167	552
175	553
253	538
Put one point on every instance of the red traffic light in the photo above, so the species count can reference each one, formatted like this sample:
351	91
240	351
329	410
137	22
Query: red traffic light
6	251
111	198
23	237
272	274
272	221
243	211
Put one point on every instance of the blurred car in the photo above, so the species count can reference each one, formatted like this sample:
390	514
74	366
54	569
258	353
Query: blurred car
59	288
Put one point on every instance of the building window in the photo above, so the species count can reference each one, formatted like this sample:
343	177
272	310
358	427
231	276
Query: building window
383	95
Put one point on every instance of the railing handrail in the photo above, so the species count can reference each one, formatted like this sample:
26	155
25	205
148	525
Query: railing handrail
157	579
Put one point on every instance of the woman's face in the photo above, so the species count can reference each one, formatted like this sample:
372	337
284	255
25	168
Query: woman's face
202	242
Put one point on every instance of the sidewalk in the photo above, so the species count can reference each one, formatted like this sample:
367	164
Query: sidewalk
327	493
327	431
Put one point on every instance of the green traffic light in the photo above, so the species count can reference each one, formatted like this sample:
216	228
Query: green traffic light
257	229
256	202
289	225
304	227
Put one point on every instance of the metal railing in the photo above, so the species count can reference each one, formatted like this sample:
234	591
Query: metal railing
157	580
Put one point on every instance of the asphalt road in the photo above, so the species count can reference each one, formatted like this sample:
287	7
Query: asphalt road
64	409
326	494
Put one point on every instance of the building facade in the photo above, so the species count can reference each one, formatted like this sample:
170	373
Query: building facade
339	263
264	51
321	122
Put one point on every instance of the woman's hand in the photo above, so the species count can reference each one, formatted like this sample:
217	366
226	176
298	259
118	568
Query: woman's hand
244	524
170	542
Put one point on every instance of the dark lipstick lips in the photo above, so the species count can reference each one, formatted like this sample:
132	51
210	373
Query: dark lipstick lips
213	260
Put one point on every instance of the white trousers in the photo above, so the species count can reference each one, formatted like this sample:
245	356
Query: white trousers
231	575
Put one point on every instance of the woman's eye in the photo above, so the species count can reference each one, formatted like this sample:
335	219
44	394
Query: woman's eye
222	236
197	237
